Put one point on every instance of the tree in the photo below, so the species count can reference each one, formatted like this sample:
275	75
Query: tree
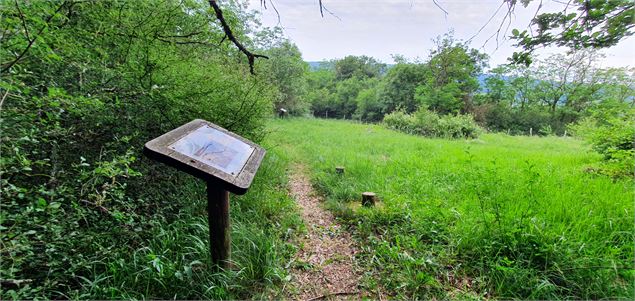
369	107
589	24
563	79
84	85
451	77
524	85
498	87
287	72
321	92
616	84
397	89
360	66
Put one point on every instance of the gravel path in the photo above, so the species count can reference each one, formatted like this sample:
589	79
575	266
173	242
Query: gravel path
324	266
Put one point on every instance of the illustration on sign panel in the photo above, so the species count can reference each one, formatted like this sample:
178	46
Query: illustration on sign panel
215	148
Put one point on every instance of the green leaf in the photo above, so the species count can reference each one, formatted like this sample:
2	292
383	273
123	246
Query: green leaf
41	203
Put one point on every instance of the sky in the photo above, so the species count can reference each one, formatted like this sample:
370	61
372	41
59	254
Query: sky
381	28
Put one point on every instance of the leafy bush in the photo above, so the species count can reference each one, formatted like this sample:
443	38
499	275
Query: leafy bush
427	123
611	132
400	121
502	118
83	214
459	126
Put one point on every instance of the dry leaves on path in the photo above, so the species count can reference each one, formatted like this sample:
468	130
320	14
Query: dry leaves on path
324	266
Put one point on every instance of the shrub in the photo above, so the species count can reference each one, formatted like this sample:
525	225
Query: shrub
459	126
400	121
427	123
503	118
83	214
612	134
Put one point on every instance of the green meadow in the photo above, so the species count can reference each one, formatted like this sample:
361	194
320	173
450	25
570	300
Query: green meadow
495	217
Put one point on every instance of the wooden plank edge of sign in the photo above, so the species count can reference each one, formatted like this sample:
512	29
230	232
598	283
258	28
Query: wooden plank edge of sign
157	149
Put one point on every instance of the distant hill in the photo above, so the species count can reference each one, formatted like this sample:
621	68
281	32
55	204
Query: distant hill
320	65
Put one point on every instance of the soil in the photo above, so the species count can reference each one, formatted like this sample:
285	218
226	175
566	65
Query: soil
324	267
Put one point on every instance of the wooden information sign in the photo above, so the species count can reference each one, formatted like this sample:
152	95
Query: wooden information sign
226	161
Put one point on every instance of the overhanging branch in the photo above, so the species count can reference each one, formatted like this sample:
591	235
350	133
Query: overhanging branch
251	57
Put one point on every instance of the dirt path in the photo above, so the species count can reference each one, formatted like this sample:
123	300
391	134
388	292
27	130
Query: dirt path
324	266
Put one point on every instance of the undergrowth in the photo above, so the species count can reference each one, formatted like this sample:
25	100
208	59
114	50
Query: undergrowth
151	247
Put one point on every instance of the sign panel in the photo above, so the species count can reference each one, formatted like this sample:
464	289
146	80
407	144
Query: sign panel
213	147
209	152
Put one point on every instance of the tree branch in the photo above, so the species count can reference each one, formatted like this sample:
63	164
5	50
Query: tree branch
251	57
31	40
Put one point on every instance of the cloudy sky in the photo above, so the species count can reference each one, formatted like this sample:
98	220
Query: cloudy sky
380	28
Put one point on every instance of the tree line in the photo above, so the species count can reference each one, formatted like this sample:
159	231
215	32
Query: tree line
452	94
544	97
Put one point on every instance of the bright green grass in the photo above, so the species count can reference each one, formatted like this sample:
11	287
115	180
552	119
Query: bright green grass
501	216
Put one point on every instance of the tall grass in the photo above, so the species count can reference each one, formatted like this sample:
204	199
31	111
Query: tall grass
171	259
501	216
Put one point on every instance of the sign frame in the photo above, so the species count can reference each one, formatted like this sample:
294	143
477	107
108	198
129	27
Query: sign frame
159	150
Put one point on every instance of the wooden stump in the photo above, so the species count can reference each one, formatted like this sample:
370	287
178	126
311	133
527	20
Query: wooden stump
368	199
339	170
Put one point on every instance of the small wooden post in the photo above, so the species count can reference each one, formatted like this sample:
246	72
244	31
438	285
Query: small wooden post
368	199
219	231
339	170
531	131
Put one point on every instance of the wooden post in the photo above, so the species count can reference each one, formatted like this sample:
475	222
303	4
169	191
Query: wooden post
531	131
339	170
219	231
368	199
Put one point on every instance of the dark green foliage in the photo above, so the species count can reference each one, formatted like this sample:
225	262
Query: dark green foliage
362	96
369	107
82	213
333	93
502	118
360	88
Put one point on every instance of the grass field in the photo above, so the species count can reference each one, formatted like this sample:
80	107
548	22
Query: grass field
500	216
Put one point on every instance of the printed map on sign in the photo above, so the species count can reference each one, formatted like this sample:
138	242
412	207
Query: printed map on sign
215	148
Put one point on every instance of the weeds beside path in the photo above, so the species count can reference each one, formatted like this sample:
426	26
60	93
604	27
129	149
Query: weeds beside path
324	266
